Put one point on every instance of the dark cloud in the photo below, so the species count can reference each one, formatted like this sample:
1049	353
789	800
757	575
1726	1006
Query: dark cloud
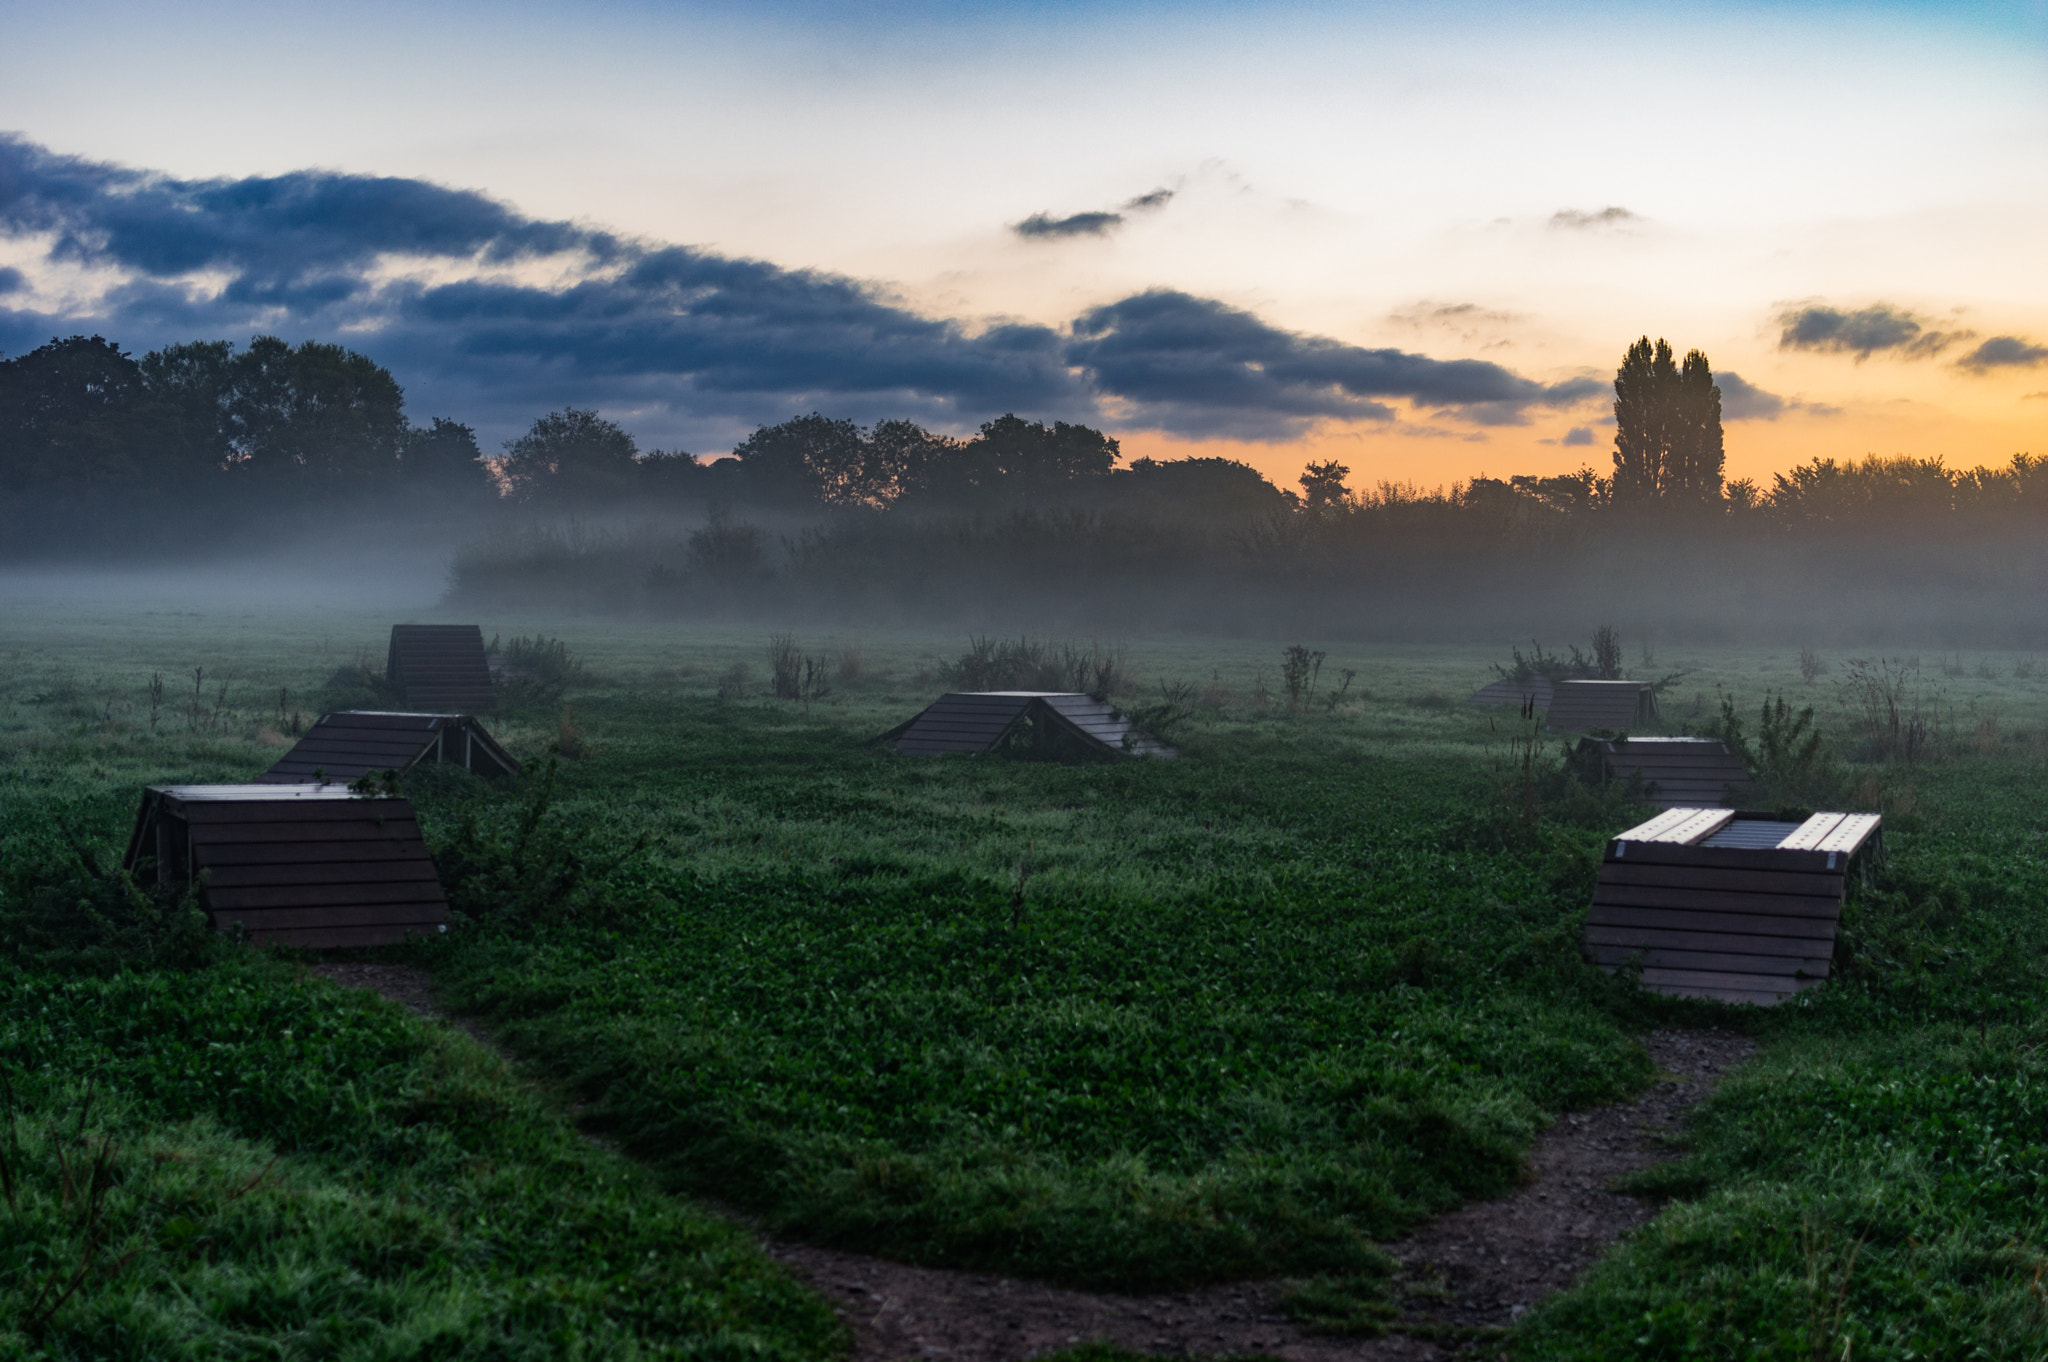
1742	400
689	346
2004	352
1578	435
1195	365
1863	332
1145	203
12	280
1041	227
1574	219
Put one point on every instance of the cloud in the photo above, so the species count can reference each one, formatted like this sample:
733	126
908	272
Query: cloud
1862	333
1194	365
1045	227
1578	435
1576	220
493	317
2003	352
1040	227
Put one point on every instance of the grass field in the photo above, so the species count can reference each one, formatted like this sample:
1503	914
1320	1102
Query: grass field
1128	1025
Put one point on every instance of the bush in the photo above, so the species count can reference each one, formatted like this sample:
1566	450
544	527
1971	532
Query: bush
67	913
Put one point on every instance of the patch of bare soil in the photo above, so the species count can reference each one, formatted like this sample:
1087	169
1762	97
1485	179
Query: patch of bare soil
1479	1267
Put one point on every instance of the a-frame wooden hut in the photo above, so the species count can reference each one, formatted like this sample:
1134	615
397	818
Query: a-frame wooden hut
355	742
1055	723
440	668
1534	690
1671	772
292	865
1739	907
1615	706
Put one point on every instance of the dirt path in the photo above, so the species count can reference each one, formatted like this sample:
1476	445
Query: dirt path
1480	1266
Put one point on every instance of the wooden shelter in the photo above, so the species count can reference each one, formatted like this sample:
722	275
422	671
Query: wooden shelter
440	668
1739	907
292	865
355	742
1615	706
1056	723
1534	690
1673	771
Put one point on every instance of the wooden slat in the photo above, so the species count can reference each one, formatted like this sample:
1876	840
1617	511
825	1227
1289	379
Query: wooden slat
333	915
1692	920
1663	957
1739	942
419	867
1720	900
334	938
1700	978
224	854
1808	835
1655	829
235	813
251	834
314	895
1850	834
1717	877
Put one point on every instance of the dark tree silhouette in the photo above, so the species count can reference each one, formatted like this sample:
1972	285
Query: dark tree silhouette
1642	391
314	411
1322	488
811	459
74	415
1693	464
444	459
572	459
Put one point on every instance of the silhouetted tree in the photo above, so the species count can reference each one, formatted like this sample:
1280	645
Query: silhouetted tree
1694	460
810	459
444	459
1667	428
313	412
572	459
1322	488
74	415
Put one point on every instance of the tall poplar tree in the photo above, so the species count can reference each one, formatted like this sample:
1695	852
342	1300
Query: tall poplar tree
1667	428
1693	463
1642	388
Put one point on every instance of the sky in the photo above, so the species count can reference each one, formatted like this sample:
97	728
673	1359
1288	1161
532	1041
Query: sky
1415	239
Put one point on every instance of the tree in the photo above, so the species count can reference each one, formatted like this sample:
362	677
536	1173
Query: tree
1693	465
1642	388
444	458
1323	492
73	415
313	412
811	459
1667	428
571	459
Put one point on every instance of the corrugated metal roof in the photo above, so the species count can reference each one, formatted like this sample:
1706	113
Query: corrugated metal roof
1515	691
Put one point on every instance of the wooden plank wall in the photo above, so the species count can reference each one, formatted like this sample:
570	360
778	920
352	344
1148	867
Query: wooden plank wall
1734	924
441	668
1617	706
340	872
1676	771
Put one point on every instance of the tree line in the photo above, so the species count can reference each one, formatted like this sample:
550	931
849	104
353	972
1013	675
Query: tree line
83	421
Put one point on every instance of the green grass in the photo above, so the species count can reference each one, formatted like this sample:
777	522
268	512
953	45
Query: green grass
1250	1012
245	1162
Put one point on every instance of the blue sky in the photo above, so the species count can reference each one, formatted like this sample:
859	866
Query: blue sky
1384	232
